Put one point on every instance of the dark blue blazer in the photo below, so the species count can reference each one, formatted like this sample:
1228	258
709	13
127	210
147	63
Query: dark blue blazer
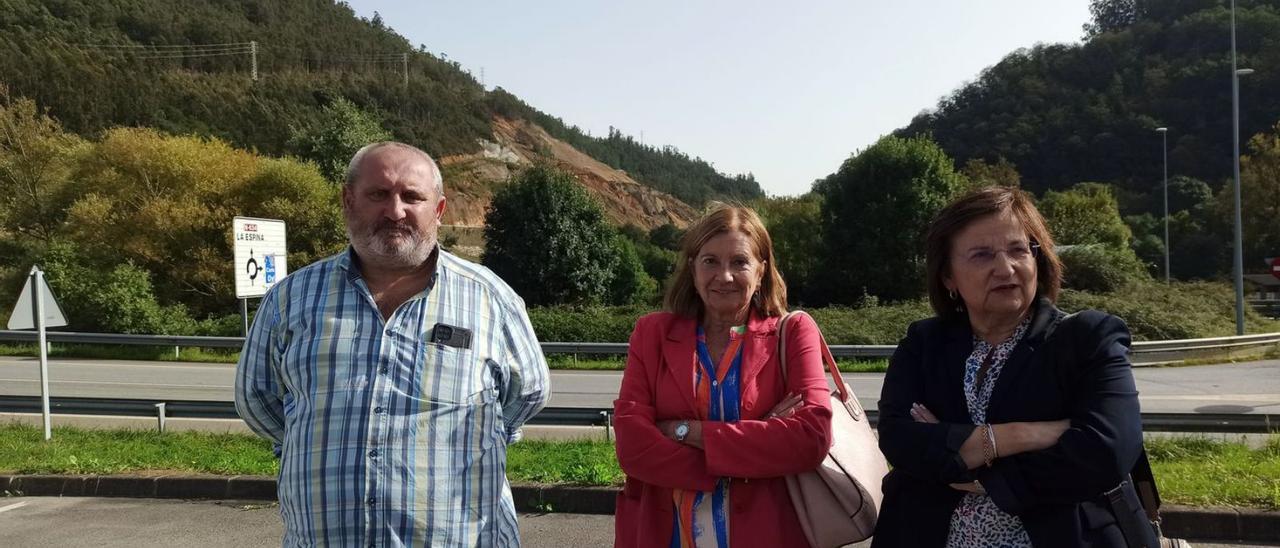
1074	367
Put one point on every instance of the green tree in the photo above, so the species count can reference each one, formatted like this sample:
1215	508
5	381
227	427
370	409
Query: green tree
666	236
36	163
1111	16
1188	194
1260	193
165	204
795	226
549	239
1198	251
998	173
115	299
874	213
331	141
1148	241
631	284
1085	214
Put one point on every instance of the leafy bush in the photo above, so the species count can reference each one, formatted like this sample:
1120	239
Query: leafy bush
1101	269
118	299
1085	214
630	284
585	323
1156	311
1153	311
871	324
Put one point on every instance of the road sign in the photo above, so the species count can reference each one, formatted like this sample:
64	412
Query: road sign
37	309
24	314
260	258
1275	267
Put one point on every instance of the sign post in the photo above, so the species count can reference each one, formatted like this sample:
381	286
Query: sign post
260	259
38	309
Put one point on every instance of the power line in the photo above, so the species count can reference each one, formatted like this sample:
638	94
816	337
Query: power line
162	46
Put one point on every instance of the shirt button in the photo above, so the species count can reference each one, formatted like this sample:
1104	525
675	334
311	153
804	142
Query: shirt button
371	501
373	453
714	383
383	371
377	410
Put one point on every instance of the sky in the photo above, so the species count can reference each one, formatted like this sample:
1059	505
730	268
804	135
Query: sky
784	90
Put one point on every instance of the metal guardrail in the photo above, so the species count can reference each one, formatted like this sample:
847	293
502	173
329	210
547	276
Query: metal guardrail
839	350
567	416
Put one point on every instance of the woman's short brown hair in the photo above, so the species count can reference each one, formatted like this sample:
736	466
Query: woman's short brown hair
965	211
682	297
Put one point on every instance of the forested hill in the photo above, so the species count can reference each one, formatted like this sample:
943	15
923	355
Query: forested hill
1063	114
80	59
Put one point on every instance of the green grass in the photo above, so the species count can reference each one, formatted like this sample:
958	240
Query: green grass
1191	471
126	352
80	451
1204	472
582	462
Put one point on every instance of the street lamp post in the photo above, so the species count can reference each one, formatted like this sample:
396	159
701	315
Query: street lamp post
1164	147
1236	73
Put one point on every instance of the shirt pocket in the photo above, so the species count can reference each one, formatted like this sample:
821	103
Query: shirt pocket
451	376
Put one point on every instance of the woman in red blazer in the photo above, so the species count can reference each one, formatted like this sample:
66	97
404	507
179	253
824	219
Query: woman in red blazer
706	430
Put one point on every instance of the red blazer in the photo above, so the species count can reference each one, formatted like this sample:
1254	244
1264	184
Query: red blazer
756	452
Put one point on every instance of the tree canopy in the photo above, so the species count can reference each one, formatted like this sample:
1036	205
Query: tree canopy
1069	113
875	210
549	240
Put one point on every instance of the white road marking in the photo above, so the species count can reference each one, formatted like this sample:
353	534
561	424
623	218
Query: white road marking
125	383
1211	397
14	506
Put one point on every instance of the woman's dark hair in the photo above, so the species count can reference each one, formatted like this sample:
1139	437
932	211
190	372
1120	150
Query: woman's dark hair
965	211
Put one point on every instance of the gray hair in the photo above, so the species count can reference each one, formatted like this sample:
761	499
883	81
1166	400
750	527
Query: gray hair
354	165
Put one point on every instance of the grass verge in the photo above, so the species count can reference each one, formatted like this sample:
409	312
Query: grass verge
1204	472
1192	471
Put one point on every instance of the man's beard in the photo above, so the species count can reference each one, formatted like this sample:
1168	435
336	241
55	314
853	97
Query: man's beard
374	243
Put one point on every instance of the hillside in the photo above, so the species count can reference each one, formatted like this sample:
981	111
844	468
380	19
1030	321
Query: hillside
1063	114
83	60
520	143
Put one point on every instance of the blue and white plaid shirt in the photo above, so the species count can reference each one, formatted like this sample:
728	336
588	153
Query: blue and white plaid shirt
386	438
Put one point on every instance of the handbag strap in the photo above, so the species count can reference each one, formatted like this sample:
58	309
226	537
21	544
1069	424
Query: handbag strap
1135	532
1145	483
845	394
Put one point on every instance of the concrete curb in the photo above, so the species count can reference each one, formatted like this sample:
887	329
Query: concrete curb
1206	523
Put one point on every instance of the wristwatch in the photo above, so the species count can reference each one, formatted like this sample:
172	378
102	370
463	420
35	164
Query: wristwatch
682	431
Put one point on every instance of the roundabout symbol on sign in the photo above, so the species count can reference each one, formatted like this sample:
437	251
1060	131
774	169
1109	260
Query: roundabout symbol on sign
252	267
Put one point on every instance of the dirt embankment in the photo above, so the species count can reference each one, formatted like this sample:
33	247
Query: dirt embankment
470	179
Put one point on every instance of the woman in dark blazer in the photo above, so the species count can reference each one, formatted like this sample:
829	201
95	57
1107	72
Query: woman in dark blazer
1006	421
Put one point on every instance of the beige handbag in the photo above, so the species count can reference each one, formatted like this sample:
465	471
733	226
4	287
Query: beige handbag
837	503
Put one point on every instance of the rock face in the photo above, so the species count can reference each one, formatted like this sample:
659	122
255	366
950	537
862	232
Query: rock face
470	179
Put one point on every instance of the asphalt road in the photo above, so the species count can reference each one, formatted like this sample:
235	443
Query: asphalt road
37	522
34	522
1252	387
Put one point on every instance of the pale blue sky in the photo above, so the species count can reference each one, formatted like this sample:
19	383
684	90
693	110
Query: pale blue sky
785	90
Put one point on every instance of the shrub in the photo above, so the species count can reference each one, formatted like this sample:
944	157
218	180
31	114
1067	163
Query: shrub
1101	269
585	323
1181	310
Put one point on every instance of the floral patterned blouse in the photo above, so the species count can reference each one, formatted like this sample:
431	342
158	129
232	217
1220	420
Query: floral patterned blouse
977	522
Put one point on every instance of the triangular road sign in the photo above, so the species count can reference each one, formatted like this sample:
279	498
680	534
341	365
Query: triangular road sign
23	316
